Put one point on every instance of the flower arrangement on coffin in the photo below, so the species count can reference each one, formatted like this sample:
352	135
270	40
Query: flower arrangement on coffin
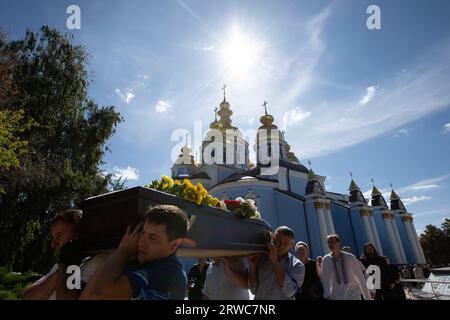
245	207
198	194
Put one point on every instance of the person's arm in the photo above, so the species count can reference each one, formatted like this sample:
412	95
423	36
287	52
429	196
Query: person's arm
253	262
326	277
240	278
318	268
293	279
276	265
206	285
108	282
363	269
360	278
62	292
41	289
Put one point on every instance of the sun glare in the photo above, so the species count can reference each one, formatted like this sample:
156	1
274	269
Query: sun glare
241	54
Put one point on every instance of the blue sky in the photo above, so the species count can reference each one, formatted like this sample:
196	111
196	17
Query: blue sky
374	102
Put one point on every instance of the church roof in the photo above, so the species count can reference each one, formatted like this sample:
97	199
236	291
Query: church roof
312	175
353	186
394	195
200	175
375	192
293	166
291	194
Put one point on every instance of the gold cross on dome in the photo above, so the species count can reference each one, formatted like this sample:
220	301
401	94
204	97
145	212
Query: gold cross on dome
265	106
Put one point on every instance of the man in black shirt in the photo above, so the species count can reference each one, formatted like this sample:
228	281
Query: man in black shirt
196	279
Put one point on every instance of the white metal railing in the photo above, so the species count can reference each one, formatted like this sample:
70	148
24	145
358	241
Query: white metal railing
414	287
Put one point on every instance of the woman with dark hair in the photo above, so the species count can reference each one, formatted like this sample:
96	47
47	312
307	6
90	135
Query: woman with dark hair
394	289
311	288
371	257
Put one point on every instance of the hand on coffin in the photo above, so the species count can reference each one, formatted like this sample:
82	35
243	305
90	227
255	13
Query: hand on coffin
253	260
273	252
129	243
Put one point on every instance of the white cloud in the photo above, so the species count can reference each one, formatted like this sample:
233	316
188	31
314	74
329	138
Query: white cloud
208	48
162	106
303	64
446	128
414	199
405	98
403	132
436	212
126	97
128	173
427	184
425	187
369	95
294	116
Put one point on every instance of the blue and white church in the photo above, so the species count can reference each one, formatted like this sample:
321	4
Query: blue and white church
296	196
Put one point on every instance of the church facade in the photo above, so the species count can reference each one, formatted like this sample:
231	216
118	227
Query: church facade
296	196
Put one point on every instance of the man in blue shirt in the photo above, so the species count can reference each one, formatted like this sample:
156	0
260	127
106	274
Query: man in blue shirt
145	266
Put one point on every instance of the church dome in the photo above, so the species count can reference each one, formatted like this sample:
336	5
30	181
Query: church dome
224	104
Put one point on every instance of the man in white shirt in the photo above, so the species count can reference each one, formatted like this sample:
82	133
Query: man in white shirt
219	284
341	274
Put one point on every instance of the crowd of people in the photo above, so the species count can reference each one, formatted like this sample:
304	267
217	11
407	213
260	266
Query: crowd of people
145	266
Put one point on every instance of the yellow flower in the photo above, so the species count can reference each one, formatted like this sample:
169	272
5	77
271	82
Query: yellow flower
185	189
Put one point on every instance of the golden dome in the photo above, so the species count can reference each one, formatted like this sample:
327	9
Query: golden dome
291	155
267	122
215	125
224	104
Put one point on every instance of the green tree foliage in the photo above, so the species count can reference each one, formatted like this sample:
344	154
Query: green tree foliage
12	122
13	284
12	145
436	243
64	146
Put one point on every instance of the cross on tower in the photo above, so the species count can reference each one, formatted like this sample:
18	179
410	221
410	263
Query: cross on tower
265	106
223	89
215	113
309	162
351	174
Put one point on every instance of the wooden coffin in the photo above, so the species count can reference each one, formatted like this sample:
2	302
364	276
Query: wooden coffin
213	232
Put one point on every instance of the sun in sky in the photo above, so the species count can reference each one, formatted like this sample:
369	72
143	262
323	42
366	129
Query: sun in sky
241	54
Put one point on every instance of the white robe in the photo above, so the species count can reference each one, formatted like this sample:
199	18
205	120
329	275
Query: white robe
356	283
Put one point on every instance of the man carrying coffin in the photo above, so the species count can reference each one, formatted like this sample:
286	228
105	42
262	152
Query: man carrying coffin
144	266
64	230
